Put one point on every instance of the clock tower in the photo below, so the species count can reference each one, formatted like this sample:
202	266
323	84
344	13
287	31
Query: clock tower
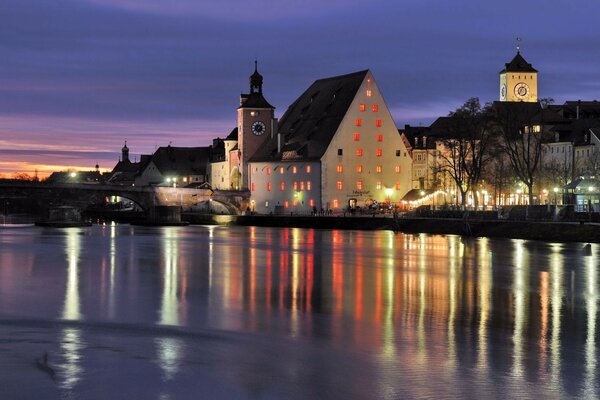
518	80
256	124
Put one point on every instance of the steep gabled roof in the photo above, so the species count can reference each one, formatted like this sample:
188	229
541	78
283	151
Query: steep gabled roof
181	160
518	64
309	124
233	135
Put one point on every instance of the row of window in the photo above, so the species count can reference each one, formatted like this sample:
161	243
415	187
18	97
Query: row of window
359	169
294	203
359	152
358	122
282	169
296	185
363	107
357	137
359	185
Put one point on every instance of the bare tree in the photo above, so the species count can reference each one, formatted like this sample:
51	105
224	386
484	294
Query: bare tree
466	146
22	176
521	127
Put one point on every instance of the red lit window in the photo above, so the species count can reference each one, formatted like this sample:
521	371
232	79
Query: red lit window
281	170
268	186
363	107
295	203
340	169
301	185
308	169
375	108
336	204
359	185
295	185
282	186
340	185
378	186
268	170
253	187
379	152
294	170
359	169
378	123
311	203
378	169
307	185
358	122
380	138
356	137
369	93
359	152
286	204
397	185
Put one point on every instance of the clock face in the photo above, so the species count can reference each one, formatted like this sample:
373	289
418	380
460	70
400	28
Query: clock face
258	128
521	90
503	92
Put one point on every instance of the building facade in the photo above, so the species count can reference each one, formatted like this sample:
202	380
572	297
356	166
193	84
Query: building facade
336	148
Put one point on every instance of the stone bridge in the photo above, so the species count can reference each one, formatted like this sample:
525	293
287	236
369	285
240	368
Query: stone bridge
83	195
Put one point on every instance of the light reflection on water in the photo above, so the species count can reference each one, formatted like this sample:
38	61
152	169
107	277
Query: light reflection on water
398	316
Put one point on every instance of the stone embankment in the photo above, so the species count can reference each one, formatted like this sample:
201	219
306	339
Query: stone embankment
532	230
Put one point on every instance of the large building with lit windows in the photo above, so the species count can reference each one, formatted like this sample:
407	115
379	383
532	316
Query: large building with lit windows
336	147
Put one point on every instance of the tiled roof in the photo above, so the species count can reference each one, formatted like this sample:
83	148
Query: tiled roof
309	124
181	160
518	64
255	100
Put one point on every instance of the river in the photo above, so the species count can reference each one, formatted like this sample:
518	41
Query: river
127	312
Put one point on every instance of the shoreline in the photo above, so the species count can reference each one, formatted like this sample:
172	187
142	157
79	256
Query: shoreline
508	229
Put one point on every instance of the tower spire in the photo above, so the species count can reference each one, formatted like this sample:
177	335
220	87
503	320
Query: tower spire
518	42
256	79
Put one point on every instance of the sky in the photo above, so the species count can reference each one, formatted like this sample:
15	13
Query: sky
78	77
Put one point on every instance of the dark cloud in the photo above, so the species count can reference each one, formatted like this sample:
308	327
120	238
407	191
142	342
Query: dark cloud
172	64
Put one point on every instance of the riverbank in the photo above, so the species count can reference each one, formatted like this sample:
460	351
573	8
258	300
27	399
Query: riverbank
530	230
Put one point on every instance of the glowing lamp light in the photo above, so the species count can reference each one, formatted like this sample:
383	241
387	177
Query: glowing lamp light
73	174
555	190
591	188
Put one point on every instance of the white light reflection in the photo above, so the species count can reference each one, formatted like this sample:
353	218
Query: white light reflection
521	297
485	306
556	300
591	299
113	263
71	342
169	349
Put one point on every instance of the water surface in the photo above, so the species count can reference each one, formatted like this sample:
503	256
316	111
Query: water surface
262	313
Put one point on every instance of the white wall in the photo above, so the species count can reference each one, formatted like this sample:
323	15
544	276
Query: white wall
298	201
344	139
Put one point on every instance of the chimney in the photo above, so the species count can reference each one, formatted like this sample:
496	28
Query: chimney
416	141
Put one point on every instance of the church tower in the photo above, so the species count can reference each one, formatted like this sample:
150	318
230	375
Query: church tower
518	80
256	124
125	153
